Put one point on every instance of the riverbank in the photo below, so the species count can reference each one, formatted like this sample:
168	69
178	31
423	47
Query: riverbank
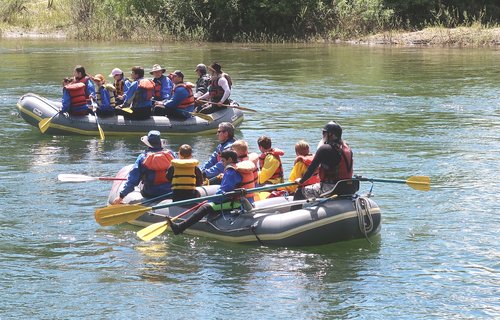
434	36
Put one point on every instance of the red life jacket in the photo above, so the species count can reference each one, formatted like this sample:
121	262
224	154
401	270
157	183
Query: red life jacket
146	88
343	170
157	88
78	102
158	163
189	101
248	173
275	152
307	161
84	81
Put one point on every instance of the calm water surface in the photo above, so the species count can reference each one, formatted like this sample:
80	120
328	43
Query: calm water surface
405	111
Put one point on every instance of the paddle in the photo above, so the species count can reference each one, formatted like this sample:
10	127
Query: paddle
127	110
229	106
44	124
101	132
68	177
422	183
116	214
158	228
203	116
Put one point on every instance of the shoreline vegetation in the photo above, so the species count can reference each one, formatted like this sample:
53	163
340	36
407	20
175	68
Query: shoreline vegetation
365	22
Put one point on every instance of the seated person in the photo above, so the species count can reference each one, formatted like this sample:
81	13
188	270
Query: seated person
182	102
271	169
74	101
163	84
105	97
184	175
139	95
236	175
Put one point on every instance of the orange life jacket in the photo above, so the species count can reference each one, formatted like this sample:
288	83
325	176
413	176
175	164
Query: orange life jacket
157	163
84	81
307	162
248	173
189	101
146	89
343	170
78	102
275	152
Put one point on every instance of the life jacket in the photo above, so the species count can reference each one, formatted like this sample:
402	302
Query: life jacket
145	90
78	102
215	91
120	86
247	171
83	80
189	101
157	88
307	162
157	164
343	170
275	152
111	92
184	174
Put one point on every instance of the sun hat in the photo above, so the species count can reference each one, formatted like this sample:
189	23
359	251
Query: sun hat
216	67
98	77
115	71
157	67
153	139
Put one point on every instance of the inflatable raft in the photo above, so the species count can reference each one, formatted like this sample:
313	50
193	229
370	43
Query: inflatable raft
276	221
33	108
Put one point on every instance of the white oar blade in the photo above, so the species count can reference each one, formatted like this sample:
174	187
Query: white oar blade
67	177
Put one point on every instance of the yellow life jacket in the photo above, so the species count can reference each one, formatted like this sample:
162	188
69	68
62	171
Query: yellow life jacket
184	177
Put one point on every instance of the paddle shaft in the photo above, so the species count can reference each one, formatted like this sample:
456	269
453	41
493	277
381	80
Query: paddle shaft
229	106
390	181
231	193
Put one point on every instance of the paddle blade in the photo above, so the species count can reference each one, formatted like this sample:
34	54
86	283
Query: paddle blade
67	177
44	124
101	132
421	183
152	231
116	214
128	110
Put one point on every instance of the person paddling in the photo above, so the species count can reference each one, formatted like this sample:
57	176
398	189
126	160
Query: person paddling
236	175
150	168
335	162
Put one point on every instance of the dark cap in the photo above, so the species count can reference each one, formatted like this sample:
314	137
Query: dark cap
216	67
178	73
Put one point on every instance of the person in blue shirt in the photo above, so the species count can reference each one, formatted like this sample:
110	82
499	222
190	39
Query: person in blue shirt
139	96
105	97
74	101
163	85
213	167
182	102
234	177
150	168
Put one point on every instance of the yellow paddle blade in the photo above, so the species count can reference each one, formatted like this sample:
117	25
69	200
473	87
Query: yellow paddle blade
128	110
203	116
120	213
152	231
101	132
44	124
421	183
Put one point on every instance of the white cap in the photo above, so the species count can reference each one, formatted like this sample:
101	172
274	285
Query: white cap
115	71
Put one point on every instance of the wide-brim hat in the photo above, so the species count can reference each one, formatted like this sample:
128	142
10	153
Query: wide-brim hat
153	139
216	67
157	67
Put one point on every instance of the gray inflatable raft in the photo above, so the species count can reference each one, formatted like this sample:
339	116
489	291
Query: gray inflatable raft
33	108
272	222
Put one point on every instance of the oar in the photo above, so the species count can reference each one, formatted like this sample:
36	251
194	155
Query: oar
116	214
44	124
422	183
203	116
158	228
101	132
127	110
68	177
230	106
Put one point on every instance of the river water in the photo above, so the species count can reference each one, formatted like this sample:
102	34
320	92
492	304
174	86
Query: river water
405	112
